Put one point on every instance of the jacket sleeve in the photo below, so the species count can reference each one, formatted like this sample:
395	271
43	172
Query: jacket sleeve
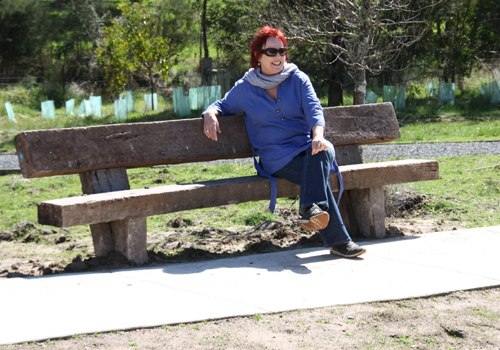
230	103
310	103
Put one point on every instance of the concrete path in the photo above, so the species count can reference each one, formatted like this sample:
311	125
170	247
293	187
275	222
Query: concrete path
39	308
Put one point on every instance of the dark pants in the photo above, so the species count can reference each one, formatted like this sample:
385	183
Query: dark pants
312	174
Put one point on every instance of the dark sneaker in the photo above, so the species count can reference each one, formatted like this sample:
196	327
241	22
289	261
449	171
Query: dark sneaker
314	218
347	250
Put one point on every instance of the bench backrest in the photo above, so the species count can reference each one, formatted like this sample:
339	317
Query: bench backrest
78	150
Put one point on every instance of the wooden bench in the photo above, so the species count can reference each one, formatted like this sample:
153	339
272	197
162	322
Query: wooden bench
117	214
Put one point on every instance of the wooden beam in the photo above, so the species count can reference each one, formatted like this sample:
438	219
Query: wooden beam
112	206
77	150
361	124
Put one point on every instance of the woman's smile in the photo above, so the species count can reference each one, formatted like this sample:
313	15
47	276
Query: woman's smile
272	65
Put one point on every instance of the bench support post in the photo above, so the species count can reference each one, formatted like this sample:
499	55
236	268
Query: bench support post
102	239
128	236
363	212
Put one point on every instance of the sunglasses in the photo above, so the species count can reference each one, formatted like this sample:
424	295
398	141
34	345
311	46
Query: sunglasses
274	52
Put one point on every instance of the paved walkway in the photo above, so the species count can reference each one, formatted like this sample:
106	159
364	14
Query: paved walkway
38	308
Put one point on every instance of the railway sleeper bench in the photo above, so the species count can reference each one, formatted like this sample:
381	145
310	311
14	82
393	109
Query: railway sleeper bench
117	214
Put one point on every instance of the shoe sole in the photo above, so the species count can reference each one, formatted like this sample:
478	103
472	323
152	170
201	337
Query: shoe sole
347	256
317	222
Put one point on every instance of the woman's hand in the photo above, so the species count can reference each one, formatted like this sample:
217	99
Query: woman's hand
211	124
318	141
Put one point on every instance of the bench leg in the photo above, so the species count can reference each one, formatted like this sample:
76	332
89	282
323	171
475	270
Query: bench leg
102	238
125	236
129	237
363	212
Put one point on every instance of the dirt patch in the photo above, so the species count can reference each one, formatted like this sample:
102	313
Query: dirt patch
460	320
29	250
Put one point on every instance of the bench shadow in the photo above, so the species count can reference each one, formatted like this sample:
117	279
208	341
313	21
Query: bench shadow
266	261
254	254
194	260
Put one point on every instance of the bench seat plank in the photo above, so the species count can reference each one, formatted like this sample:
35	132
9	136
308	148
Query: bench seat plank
120	205
77	150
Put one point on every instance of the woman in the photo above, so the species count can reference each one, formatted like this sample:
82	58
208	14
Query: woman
285	124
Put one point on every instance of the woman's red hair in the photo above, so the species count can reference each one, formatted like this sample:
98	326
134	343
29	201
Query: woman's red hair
260	39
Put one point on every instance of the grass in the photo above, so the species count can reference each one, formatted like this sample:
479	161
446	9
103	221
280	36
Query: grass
468	192
468	103
470	119
466	130
29	117
19	196
468	196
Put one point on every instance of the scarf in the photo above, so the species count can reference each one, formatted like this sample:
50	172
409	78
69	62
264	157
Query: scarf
256	78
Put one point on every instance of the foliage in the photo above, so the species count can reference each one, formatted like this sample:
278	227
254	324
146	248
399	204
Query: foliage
55	40
232	37
177	20
363	35
131	45
21	37
464	34
70	30
451	41
486	27
469	103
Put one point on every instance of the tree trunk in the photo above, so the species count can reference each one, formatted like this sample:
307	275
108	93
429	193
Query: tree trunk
152	89
363	49
335	89
335	96
204	27
359	87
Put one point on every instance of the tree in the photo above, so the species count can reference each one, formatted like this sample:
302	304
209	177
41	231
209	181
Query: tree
486	27
130	45
231	30
20	35
449	42
463	34
364	35
177	20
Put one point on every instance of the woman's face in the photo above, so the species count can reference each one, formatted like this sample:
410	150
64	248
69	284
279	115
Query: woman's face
272	65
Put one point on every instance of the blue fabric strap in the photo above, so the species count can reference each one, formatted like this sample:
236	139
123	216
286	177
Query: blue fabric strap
334	168
274	186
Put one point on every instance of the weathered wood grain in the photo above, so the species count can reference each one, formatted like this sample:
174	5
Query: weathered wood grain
122	205
361	124
127	236
77	150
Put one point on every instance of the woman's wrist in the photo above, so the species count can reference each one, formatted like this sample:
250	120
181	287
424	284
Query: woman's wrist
318	132
211	113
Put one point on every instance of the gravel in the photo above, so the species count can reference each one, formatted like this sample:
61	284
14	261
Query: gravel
429	150
9	162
